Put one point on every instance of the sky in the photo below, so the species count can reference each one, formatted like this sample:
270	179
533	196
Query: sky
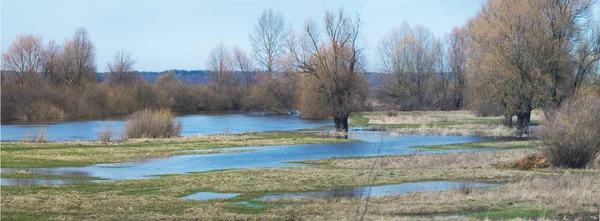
179	34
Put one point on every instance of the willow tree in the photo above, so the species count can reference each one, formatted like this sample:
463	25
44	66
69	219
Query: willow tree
511	53
334	61
526	52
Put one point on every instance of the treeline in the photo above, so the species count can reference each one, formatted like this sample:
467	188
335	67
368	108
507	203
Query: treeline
511	58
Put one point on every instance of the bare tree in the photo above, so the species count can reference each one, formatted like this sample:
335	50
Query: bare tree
587	57
121	69
566	22
457	56
51	62
24	58
78	59
243	64
268	39
411	56
219	63
334	61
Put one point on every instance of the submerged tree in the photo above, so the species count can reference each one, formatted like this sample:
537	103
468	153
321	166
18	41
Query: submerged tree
335	62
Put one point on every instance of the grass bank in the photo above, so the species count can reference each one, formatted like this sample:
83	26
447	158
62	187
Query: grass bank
62	154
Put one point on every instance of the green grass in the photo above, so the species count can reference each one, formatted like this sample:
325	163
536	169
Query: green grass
521	210
359	119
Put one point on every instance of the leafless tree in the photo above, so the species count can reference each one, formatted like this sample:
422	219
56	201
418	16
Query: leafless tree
219	63
566	21
243	64
78	59
411	56
587	58
457	56
268	39
51	62
121	69
334	61
24	58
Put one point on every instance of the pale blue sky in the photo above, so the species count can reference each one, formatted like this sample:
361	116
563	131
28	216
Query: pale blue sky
179	34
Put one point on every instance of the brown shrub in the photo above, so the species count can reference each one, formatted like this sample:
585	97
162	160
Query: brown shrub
107	134
531	161
571	135
274	93
152	124
38	136
312	103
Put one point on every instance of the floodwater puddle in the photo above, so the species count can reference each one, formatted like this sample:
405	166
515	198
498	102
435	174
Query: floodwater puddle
372	191
385	190
264	156
54	177
210	196
37	181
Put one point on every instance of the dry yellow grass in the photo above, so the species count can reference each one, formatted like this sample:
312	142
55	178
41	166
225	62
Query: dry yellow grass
487	159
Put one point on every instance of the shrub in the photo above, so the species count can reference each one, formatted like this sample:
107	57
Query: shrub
152	124
571	135
106	134
38	136
531	161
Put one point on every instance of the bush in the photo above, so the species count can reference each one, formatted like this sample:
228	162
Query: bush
38	136
571	135
106	134
152	124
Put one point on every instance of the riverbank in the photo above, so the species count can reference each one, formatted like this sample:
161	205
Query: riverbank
524	193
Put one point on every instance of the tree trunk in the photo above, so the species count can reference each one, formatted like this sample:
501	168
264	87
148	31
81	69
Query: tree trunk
341	123
507	121
523	120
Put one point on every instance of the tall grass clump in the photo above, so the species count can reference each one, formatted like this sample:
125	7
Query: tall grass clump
152	124
107	134
38	136
571	135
